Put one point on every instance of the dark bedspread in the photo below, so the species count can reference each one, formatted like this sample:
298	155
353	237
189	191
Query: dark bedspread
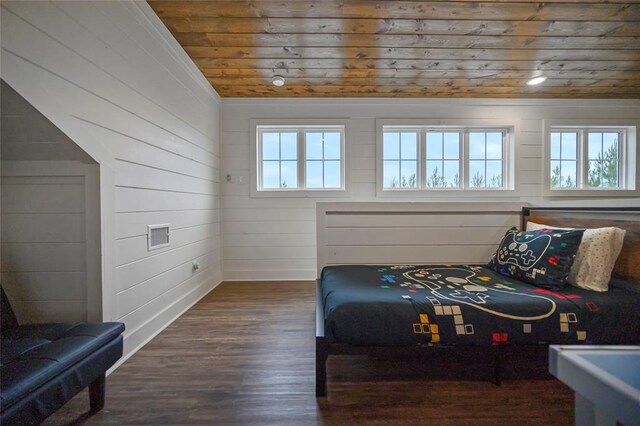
469	305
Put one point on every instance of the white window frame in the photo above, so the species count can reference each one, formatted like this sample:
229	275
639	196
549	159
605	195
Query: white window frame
464	126
300	126
628	155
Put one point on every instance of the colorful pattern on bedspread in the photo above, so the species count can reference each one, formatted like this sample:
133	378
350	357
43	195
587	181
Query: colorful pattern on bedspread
468	305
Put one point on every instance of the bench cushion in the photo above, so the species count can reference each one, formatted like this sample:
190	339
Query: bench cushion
35	354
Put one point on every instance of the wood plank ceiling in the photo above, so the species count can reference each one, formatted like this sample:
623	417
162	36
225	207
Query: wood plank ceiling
358	48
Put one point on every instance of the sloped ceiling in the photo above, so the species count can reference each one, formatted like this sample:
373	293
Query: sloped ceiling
27	135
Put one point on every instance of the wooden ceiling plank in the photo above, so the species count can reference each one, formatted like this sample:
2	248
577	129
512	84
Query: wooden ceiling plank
422	82
443	10
484	95
411	53
404	26
239	9
395	40
412	73
432	91
419	64
196	39
533	11
441	93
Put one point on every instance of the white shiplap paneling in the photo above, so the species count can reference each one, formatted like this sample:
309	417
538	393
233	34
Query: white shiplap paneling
37	242
48	265
111	77
411	233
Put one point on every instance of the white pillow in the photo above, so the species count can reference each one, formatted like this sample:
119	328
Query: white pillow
595	258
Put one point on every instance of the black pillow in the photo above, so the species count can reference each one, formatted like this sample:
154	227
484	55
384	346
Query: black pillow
542	258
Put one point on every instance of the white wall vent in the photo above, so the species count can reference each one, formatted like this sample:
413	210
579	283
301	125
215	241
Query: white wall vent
158	236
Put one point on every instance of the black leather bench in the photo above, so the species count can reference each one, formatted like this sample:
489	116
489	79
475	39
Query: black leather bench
42	366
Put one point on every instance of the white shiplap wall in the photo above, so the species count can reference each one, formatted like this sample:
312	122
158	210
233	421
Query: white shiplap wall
43	248
274	238
112	78
411	233
48	270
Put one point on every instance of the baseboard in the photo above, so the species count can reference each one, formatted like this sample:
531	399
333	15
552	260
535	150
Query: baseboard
200	291
270	275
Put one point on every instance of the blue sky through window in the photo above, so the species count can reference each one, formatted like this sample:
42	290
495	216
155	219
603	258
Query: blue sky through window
564	155
400	168
443	159
301	158
485	159
323	158
279	160
448	158
603	156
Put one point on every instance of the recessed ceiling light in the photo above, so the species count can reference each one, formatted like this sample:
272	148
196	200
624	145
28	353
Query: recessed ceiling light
278	80
536	80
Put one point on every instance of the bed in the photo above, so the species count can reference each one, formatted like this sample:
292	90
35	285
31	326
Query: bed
390	308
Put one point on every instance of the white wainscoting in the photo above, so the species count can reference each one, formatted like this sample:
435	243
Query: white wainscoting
411	233
50	240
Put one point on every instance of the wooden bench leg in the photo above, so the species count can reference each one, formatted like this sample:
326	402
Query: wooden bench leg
97	393
322	354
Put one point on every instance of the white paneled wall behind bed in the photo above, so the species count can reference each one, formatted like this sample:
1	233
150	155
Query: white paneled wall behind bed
411	233
275	238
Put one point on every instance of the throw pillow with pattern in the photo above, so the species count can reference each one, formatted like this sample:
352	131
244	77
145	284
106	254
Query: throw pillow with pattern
542	258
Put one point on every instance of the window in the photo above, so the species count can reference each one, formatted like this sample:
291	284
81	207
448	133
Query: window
279	160
485	159
598	167
582	158
428	158
300	158
443	159
323	155
564	158
603	159
400	159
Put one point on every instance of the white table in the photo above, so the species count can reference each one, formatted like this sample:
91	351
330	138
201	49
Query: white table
606	381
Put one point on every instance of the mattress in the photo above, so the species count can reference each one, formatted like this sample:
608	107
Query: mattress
368	305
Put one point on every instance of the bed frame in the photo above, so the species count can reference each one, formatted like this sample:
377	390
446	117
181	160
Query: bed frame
501	217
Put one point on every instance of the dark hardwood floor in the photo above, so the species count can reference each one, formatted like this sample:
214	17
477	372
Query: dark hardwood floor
245	355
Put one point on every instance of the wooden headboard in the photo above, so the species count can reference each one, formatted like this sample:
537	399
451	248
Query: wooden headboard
627	218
